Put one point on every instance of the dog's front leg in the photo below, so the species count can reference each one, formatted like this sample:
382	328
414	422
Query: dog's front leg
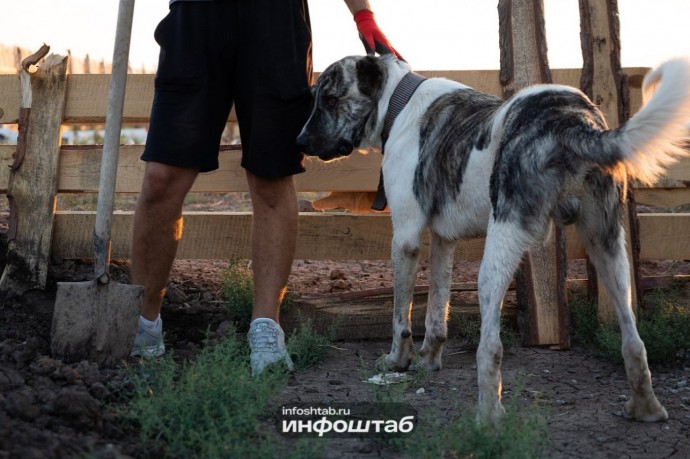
436	334
405	258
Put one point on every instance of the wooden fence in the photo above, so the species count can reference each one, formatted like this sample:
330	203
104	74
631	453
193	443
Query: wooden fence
11	57
223	235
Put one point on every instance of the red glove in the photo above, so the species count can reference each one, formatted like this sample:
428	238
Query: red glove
373	39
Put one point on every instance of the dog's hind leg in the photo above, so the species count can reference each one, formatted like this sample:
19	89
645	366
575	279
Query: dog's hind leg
405	252
506	242
601	229
436	334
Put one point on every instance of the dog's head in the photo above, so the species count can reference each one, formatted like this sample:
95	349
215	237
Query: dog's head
346	98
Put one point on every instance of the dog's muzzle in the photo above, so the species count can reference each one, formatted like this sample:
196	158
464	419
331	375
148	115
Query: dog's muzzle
325	152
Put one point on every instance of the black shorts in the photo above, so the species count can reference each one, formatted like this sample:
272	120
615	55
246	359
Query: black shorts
255	53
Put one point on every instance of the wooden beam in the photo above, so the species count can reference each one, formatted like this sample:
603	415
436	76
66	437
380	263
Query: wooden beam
87	94
9	99
80	165
88	98
605	83
543	317
676	176
7	153
663	197
331	236
32	186
664	236
225	235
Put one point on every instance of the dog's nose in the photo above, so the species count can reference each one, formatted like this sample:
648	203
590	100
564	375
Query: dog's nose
301	142
345	148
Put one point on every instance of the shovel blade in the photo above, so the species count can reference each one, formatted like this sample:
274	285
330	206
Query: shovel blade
95	322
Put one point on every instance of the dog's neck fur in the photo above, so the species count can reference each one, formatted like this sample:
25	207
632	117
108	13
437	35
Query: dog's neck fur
394	70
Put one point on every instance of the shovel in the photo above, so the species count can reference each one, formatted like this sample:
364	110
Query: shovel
97	320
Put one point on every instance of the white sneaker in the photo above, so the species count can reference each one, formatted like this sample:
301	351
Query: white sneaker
149	339
267	343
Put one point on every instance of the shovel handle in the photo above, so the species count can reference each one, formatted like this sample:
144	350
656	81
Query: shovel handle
111	140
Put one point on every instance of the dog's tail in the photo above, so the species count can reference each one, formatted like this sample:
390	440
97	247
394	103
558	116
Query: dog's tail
659	134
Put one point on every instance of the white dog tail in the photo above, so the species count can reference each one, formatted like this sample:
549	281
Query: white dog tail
659	134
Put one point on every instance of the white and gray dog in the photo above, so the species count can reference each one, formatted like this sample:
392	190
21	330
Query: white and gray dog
466	164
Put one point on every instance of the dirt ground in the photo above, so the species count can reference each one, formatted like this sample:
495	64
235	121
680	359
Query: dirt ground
50	409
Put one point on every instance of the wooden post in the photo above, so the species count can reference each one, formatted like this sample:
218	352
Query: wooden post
605	83
18	57
542	316
33	177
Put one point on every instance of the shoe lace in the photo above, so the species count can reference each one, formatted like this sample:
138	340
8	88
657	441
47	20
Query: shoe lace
264	338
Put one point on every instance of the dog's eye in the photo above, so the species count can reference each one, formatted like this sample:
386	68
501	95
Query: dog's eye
332	101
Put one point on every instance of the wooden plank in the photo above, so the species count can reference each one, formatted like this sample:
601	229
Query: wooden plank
367	314
87	100
80	165
32	184
677	175
663	197
9	99
665	236
662	236
223	235
87	94
6	158
370	316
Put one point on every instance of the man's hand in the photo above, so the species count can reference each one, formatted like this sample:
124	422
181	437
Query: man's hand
373	39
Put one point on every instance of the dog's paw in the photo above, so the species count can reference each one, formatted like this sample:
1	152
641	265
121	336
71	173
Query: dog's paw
388	363
425	365
645	410
429	358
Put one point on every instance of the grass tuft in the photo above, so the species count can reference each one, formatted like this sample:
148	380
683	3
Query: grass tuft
469	327
211	407
664	327
238	291
521	434
307	347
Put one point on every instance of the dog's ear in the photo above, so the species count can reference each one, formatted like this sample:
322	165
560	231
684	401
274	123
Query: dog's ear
369	75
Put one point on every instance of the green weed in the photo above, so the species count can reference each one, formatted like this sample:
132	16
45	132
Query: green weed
307	347
211	407
664	327
238	291
521	433
469	326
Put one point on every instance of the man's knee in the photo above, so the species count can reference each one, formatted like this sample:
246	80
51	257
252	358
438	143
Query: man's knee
163	182
271	193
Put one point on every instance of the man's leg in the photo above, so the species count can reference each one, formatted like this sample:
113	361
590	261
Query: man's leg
274	235
157	230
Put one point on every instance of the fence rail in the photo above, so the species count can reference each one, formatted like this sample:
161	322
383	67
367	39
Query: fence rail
336	235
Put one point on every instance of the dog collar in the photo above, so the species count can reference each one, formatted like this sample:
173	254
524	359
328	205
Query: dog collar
401	96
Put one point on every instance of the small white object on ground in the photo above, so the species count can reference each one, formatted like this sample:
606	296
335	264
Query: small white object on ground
383	379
